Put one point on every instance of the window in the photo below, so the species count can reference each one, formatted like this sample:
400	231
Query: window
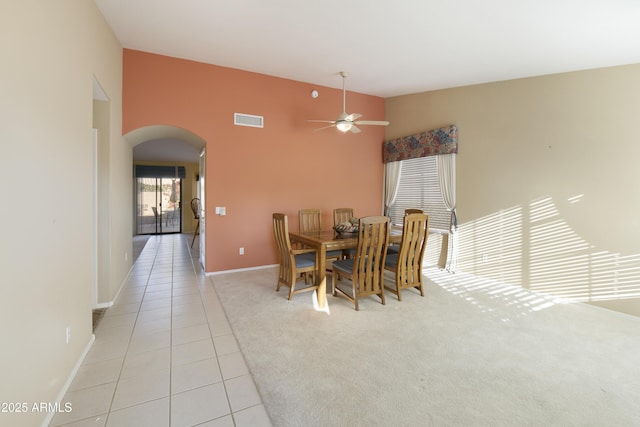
419	188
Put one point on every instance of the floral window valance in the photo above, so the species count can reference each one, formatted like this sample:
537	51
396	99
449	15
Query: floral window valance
430	143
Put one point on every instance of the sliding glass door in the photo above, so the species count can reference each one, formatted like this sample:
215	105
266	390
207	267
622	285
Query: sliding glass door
159	207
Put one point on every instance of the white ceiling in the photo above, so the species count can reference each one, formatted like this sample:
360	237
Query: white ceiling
166	150
389	47
165	144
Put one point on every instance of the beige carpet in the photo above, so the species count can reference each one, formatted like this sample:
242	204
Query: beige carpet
470	353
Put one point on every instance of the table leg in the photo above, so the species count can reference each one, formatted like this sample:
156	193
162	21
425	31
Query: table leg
321	262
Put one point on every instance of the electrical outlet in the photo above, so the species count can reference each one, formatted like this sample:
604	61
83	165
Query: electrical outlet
241	251
126	256
68	334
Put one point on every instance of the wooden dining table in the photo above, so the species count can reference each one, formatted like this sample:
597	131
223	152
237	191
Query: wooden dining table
329	240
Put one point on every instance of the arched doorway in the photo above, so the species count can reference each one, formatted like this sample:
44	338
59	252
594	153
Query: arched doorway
167	177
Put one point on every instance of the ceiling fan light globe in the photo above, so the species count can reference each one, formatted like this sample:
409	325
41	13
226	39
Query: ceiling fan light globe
344	126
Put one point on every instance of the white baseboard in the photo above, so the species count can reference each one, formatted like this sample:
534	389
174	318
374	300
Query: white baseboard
67	384
120	288
103	305
260	267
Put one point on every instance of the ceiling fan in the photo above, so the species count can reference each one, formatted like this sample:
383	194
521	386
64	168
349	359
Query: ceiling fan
347	122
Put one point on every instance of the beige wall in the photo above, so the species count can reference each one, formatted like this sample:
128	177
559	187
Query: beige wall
51	53
547	179
101	123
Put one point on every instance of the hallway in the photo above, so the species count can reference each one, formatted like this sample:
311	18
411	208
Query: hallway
164	354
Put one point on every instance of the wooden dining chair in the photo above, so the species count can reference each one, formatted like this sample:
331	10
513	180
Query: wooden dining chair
293	262
310	220
195	208
412	211
342	215
407	263
366	269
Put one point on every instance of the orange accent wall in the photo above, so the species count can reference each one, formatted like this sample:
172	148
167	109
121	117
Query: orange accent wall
254	172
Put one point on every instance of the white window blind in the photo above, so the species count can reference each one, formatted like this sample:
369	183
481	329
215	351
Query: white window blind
419	189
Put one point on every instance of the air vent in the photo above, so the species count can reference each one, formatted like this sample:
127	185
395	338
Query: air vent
240	119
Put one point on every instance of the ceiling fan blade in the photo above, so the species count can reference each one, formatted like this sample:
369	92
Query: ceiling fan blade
373	122
352	117
354	129
322	121
325	127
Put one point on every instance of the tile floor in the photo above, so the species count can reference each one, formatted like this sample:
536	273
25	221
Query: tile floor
164	354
